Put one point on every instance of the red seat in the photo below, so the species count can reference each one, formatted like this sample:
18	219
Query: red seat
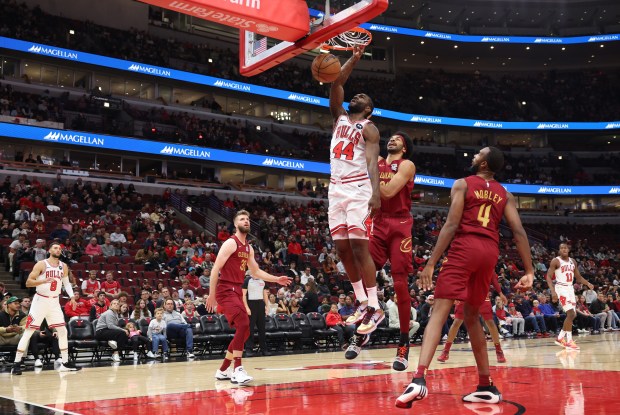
138	267
108	267
124	268
85	258
98	259
113	260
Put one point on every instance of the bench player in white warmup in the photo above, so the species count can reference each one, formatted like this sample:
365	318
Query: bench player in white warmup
47	276
566	271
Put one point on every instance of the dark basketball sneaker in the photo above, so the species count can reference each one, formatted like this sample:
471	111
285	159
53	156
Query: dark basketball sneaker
415	391
400	361
16	369
68	367
484	394
355	348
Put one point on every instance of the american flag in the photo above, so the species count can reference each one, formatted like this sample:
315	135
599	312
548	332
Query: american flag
260	46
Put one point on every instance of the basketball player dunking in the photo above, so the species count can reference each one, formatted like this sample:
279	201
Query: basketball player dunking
566	271
391	231
47	276
354	196
227	275
486	311
478	204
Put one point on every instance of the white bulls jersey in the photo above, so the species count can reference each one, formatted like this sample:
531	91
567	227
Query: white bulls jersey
52	289
565	273
348	149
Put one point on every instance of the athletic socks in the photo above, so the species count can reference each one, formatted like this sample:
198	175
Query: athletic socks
225	365
360	292
446	347
420	372
373	300
237	362
404	339
18	356
484	380
562	334
569	336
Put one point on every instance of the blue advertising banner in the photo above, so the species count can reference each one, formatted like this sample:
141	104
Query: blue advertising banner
541	40
120	64
154	147
108	142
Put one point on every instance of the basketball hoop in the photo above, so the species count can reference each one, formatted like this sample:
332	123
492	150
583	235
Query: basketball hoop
348	40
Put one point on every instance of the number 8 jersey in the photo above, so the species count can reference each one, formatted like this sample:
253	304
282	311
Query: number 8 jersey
348	149
52	289
484	208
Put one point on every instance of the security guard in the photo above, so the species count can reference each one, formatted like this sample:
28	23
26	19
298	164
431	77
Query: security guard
256	299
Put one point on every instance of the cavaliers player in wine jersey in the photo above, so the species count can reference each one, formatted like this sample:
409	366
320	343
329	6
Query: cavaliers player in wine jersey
354	197
227	275
472	231
48	276
565	271
391	230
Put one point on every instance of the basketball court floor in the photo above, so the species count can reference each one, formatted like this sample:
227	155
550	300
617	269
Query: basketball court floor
539	378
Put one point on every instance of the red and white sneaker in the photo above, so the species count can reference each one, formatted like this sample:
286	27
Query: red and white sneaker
371	320
356	317
571	345
561	342
443	357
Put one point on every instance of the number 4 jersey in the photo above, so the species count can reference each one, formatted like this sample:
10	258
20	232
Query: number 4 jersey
348	149
484	208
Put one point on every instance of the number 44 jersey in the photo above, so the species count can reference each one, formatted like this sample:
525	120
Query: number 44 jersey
348	149
484	208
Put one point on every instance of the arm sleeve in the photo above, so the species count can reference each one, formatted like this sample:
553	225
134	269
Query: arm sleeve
68	288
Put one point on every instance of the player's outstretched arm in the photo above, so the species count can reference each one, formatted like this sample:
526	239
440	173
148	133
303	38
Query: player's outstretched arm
523	246
555	263
336	96
406	172
257	272
457	195
580	278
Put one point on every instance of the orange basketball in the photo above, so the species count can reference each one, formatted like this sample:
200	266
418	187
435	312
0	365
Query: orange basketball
326	68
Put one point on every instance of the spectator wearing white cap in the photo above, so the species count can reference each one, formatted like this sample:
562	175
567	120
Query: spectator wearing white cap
39	250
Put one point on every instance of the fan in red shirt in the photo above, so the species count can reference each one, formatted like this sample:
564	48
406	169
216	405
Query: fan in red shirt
472	231
111	288
80	308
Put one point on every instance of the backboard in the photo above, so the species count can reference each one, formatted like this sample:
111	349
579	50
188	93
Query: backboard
255	56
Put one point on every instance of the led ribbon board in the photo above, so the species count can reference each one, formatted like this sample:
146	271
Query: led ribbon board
108	142
68	54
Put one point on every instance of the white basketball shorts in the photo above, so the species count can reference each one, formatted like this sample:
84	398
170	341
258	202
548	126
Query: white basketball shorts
47	308
566	296
348	209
